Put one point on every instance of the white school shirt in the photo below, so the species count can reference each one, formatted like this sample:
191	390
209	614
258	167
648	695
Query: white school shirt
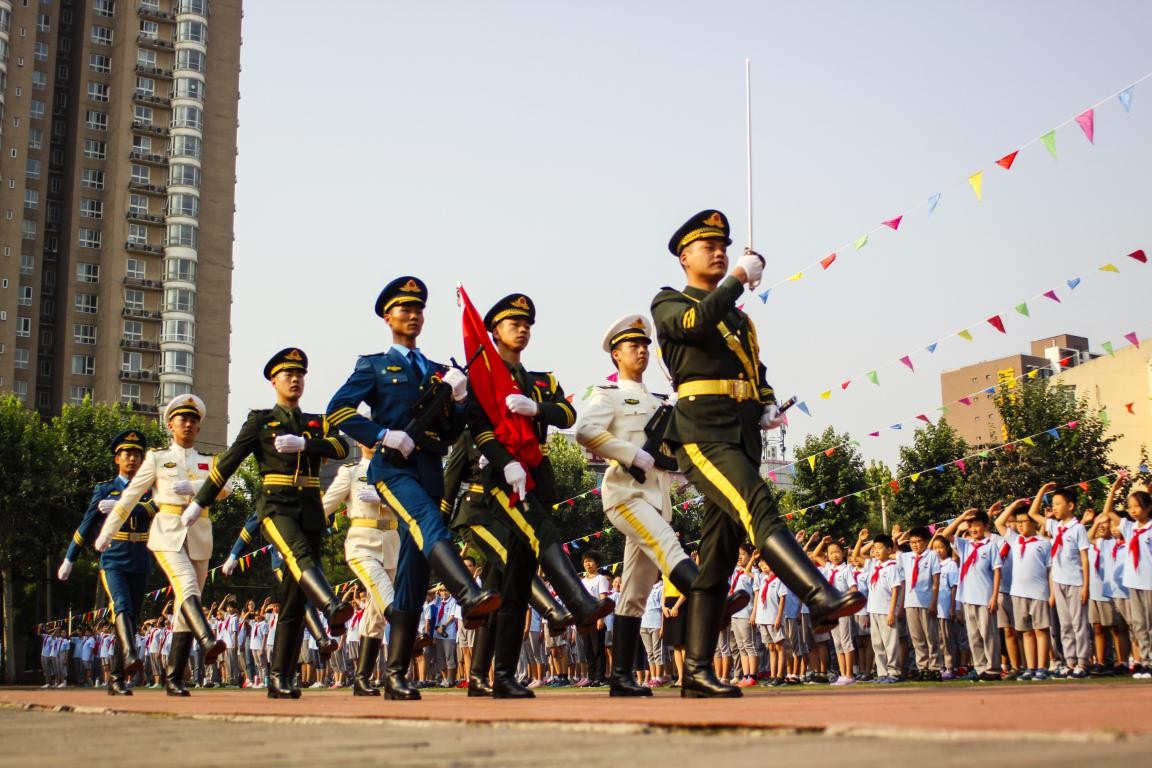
653	616
949	578
1112	556
1097	560
883	578
166	643
1031	559
1006	574
839	576
270	635
259	633
445	611
918	595
225	632
978	560
1137	555
86	648
767	599
105	646
741	580
352	628
791	599
597	584
1069	539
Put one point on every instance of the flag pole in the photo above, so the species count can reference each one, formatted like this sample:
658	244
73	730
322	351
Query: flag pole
748	140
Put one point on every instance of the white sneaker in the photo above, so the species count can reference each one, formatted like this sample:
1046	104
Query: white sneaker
317	684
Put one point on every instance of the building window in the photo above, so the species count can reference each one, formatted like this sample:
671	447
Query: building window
20	389
135	269
83	365
43	22
84	334
28	229
184	175
86	303
92	179
31	199
25	299
171	389
32	169
179	300
130	392
20	358
98	91
191	32
40	51
190	59
145	86
77	394
182	331
36	109
87	273
188	117
105	8
182	234
149	30
178	362
142	115
142	144
27	263
138	204
98	62
133	330
89	238
35	138
137	234
189	88
24	327
131	361
101	35
91	209
182	270
141	174
146	58
95	120
96	150
192	6
134	299
186	146
184	205
39	80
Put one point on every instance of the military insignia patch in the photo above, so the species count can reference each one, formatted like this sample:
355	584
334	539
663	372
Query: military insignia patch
392	368
114	493
715	220
632	401
363	479
410	287
520	302
169	464
272	424
293	355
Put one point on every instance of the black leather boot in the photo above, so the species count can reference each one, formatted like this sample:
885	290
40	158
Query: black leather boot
790	562
482	648
362	682
705	609
282	665
509	636
178	664
194	618
126	637
625	640
685	573
116	682
585	609
325	644
556	615
319	593
401	639
473	600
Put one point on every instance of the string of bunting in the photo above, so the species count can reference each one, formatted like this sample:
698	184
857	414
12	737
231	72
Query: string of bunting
1086	120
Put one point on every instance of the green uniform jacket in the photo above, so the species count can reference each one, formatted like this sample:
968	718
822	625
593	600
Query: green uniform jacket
687	327
291	480
462	474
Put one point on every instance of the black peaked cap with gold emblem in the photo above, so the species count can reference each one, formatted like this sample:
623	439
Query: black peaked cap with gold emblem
702	226
512	305
402	290
290	359
133	439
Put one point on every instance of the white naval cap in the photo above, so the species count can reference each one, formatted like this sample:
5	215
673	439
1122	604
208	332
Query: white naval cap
628	328
185	404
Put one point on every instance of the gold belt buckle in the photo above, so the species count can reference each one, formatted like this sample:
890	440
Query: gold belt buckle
736	390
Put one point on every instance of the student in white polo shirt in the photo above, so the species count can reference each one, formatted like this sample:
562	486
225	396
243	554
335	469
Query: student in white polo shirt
1137	578
919	570
1031	557
884	586
979	589
1107	559
947	626
1070	574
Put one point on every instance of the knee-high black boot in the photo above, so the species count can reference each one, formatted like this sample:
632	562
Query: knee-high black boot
401	639
325	644
126	635
473	600
178	664
319	593
625	640
790	562
586	610
482	649
685	573
194	618
116	684
282	665
705	610
362	682
556	615
509	636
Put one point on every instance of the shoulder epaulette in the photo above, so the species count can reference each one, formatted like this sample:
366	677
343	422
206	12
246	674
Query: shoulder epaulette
607	386
352	464
660	396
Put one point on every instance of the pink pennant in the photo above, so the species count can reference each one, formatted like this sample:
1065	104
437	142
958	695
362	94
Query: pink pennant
894	224
595	491
772	476
613	376
874	434
965	400
924	419
908	362
686	505
844	385
1087	122
840	500
566	550
740	307
960	463
1139	256
827	260
1052	295
996	322
1132	339
1073	424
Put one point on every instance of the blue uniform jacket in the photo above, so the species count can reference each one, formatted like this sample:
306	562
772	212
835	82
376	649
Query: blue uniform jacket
127	556
388	384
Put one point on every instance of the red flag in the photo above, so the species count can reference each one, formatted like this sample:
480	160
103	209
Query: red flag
893	223
491	383
827	260
1006	161
996	323
1139	256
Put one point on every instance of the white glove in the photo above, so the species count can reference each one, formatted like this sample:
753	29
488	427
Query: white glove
229	565
771	418
458	380
672	399
521	405
368	495
643	460
65	570
482	461
399	440
289	443
516	477
191	514
106	505
184	488
103	541
753	264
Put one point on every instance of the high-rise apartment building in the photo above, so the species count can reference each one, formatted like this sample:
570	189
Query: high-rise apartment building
117	172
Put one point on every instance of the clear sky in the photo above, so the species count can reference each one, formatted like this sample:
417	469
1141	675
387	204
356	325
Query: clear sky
552	149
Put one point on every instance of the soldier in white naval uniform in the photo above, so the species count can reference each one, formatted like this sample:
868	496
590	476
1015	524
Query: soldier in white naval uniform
611	425
371	549
174	474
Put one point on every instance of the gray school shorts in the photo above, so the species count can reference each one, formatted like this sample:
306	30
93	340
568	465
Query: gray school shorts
1101	612
1029	614
1005	611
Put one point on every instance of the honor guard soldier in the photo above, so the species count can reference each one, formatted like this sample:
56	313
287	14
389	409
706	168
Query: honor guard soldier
181	544
290	446
543	402
476	520
126	564
724	402
405	391
635	493
325	644
371	549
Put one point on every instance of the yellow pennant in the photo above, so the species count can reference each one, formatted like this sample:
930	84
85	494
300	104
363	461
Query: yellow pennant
965	334
916	477
1109	268
796	276
977	182
1032	373
812	462
826	395
1028	441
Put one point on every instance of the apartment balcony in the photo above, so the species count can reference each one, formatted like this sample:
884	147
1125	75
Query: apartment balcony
145	157
138	376
140	97
155	130
139	344
147	218
155	42
151	250
149	71
150	12
139	314
148	189
139	407
141	282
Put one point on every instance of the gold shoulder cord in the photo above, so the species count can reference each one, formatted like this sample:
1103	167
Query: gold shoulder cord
736	347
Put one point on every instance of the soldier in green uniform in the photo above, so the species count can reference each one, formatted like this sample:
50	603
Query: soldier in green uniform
724	403
476	519
290	446
543	402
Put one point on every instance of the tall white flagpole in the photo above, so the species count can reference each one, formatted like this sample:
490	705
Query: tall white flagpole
748	138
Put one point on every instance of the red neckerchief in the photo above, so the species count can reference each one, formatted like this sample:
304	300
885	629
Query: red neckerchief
972	556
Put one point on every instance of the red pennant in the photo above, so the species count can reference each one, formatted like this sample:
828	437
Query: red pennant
789	516
830	451
845	384
874	434
894	224
895	485
569	397
571	502
1139	256
1064	362
996	323
740	307
827	260
566	550
963	467
1129	407
1073	424
924	419
1006	161
1083	486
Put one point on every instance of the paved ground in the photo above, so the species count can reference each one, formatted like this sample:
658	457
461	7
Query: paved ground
1053	725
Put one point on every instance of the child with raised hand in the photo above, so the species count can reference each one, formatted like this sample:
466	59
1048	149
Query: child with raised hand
947	629
884	589
919	570
1108	610
1137	576
1030	593
840	575
979	590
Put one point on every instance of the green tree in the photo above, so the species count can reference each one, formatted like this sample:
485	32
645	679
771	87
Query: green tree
580	517
878	497
934	495
838	474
